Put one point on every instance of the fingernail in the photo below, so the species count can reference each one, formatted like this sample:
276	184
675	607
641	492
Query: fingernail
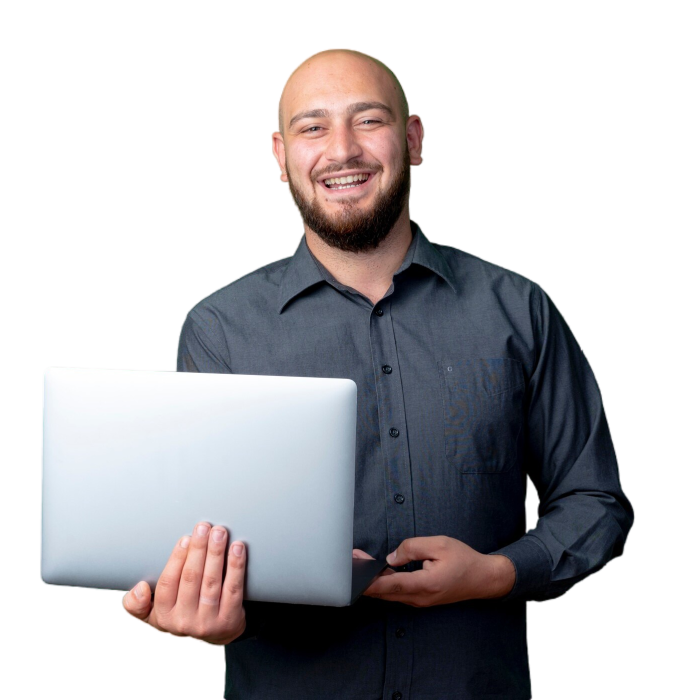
218	535
237	549
202	530
137	591
185	541
391	557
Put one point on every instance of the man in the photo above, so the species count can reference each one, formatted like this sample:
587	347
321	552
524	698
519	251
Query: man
468	381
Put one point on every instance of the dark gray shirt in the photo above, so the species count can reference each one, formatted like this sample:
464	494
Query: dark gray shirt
468	380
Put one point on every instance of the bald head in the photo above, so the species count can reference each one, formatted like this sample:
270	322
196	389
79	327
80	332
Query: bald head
335	68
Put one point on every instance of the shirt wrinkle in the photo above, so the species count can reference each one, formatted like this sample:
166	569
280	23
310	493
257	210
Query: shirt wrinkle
487	391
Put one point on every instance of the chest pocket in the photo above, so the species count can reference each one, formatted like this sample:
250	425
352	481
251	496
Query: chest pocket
483	408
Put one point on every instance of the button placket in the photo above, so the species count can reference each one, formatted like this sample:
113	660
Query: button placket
397	480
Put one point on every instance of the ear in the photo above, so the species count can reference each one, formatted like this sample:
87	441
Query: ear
414	138
278	151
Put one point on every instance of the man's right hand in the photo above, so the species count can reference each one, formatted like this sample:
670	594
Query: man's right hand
190	599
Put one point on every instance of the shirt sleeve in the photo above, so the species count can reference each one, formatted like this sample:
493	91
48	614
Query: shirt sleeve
584	517
202	348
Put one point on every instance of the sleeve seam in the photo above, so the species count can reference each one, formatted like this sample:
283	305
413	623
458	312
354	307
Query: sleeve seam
194	315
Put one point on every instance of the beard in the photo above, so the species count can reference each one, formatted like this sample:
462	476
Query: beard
352	229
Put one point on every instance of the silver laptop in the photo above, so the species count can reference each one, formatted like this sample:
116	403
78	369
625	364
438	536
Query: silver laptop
134	459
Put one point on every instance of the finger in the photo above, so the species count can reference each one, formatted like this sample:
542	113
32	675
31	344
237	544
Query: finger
402	586
418	549
359	554
193	570
231	604
169	581
210	591
137	601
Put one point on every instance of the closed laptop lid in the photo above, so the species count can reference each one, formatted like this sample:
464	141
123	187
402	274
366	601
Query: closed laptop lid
133	459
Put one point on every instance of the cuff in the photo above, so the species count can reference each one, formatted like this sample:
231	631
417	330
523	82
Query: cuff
533	568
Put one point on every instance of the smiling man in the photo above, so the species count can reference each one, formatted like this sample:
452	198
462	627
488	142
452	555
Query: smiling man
351	184
469	381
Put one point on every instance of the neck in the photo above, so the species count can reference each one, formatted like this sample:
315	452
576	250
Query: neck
369	272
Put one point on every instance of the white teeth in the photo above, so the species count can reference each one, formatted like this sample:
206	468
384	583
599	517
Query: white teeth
347	180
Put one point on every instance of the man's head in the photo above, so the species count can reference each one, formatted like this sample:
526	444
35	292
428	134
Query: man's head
344	115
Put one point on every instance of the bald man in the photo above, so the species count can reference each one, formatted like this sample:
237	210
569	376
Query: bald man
469	381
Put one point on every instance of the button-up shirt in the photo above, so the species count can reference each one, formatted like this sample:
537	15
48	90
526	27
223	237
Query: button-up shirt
468	381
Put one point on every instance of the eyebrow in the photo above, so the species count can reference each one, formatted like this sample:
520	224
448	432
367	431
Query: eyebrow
352	109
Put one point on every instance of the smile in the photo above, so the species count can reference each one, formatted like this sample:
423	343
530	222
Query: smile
347	181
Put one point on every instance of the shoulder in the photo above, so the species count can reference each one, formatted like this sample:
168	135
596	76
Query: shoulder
475	276
255	292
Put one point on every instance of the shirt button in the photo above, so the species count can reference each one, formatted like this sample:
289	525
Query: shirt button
396	696
379	311
399	498
394	432
400	632
386	369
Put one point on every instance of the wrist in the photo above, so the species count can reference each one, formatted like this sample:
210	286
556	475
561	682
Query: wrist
502	576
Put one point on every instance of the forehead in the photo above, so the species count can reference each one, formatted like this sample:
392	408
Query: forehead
333	82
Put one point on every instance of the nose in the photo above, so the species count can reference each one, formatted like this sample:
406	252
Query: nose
343	145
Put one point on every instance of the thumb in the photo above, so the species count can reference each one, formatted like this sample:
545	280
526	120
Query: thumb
416	549
137	601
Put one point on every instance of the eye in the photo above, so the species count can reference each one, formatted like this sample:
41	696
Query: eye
311	129
370	123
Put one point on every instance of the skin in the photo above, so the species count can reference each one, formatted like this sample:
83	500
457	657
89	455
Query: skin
313	147
191	599
194	596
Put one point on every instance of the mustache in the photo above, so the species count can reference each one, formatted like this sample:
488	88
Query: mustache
350	165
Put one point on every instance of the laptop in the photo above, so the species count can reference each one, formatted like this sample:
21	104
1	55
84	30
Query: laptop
134	459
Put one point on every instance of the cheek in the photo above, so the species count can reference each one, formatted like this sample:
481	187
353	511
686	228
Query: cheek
385	151
301	162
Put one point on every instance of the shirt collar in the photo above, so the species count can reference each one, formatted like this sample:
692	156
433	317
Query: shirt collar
303	271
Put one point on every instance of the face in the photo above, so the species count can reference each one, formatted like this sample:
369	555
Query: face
346	151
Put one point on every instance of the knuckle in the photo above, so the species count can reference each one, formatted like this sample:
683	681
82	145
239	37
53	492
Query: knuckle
237	564
431	587
201	630
234	630
199	542
397	588
210	582
216	549
156	620
180	628
166	582
234	587
190	576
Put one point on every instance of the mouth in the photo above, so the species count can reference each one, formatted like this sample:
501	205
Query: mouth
345	182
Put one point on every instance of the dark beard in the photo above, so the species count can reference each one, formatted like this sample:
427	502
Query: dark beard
352	230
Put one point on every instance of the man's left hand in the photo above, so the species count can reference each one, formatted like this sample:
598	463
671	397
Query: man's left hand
452	571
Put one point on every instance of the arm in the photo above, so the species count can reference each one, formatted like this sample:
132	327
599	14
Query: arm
202	348
584	517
